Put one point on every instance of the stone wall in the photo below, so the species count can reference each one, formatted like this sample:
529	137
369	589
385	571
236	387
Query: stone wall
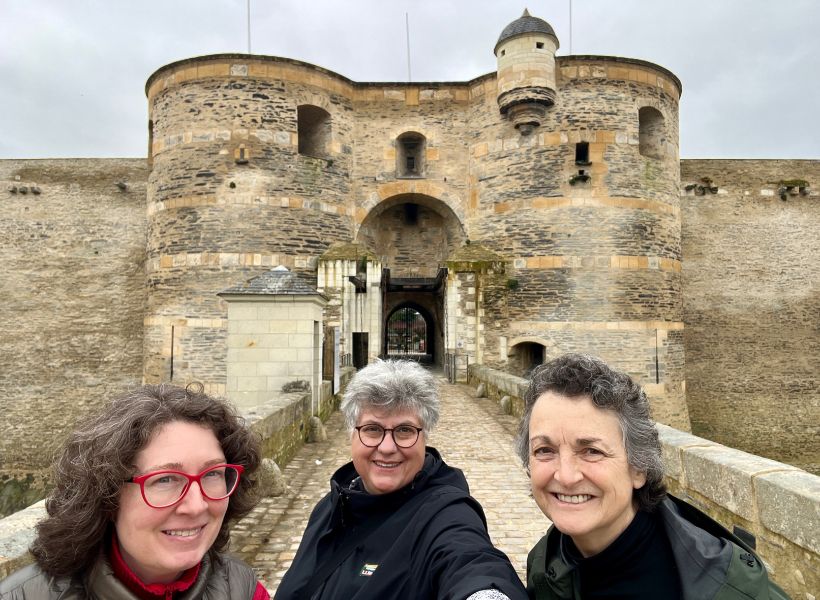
751	293
778	503
72	249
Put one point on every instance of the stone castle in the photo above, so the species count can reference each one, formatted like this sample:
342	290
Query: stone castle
535	210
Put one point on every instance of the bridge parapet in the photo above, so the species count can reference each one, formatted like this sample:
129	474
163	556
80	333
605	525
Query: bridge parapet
777	503
282	422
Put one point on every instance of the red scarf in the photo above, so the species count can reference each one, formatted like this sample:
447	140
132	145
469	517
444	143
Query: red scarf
148	591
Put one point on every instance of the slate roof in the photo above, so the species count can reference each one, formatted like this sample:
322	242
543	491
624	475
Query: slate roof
525	24
276	282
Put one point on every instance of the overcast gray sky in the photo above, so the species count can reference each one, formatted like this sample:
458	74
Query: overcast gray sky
72	72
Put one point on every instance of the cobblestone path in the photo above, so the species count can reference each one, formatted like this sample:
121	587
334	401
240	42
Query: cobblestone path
472	435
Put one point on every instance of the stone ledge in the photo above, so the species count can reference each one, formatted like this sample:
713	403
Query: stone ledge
726	476
788	503
16	535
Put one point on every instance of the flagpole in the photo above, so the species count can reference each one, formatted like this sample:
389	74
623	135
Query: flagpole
249	26
407	29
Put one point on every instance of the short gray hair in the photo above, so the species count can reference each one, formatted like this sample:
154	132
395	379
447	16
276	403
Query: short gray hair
392	386
575	375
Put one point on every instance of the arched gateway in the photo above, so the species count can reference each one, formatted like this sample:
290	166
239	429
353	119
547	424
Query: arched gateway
399	259
413	235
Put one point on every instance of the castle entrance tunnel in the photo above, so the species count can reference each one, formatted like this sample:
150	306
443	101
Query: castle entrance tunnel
413	235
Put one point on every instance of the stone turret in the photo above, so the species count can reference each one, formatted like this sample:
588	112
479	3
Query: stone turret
526	71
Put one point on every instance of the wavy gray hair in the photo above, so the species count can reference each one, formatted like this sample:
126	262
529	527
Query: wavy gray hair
574	375
392	386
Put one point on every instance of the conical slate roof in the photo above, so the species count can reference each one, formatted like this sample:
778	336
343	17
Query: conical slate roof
276	282
525	24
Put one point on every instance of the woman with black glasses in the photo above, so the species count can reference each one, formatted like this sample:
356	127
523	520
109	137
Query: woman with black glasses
143	497
398	522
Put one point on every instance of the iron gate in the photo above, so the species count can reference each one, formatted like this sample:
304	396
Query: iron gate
406	333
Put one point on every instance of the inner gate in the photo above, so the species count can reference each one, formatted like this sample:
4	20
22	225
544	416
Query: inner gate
406	333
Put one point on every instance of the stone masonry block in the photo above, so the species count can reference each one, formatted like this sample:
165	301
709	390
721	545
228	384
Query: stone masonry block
724	475
299	369
270	369
246	340
242	369
275	311
300	340
243	312
673	443
789	504
280	354
250	384
282	326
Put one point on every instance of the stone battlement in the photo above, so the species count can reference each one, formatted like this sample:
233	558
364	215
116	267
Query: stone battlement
777	503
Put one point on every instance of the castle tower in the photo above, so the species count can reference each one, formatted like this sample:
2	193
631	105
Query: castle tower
586	210
248	173
525	52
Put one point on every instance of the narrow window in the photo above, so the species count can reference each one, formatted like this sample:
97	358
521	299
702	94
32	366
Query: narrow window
313	128
539	45
582	153
410	149
650	132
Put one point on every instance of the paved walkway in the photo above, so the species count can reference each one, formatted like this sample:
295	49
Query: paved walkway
472	435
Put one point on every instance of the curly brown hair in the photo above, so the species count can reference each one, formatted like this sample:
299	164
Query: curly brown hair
98	457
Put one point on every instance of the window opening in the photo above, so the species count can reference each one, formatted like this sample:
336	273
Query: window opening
582	154
410	155
650	132
313	128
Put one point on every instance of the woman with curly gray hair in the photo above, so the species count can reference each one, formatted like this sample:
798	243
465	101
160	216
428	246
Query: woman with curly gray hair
398	523
594	460
143	497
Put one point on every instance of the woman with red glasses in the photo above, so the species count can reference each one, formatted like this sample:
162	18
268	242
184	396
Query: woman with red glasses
143	497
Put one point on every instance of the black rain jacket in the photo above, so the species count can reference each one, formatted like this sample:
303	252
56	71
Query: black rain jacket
431	542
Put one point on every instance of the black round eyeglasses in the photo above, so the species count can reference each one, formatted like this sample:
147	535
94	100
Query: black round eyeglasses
404	436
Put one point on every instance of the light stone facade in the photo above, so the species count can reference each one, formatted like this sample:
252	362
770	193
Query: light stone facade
494	235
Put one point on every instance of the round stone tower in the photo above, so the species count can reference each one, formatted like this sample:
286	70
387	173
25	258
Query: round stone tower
525	52
250	165
586	209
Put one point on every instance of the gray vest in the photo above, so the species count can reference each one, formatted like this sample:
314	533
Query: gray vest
232	579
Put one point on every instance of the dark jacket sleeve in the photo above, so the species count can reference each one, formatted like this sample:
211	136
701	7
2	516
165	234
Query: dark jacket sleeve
461	557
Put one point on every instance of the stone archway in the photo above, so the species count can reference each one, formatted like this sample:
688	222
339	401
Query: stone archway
413	235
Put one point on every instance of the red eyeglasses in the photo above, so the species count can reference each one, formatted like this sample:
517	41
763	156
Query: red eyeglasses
162	489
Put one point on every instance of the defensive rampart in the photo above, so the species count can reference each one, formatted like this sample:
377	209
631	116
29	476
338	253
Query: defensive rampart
779	504
751	298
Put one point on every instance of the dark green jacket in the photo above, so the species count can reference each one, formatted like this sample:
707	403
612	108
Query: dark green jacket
712	563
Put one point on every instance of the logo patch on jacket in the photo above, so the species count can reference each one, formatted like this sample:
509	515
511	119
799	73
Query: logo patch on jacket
368	569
